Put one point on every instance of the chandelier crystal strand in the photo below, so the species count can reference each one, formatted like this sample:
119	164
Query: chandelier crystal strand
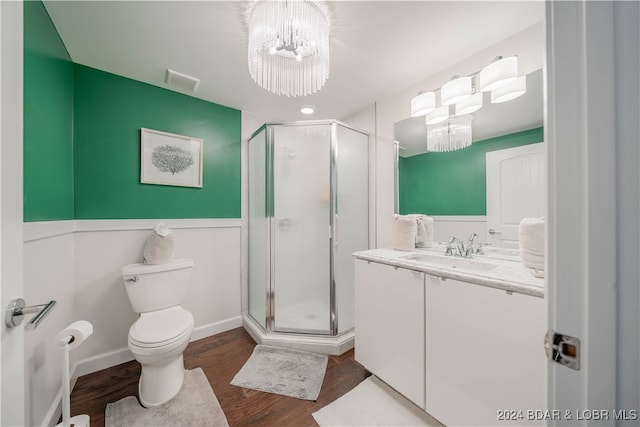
289	46
453	134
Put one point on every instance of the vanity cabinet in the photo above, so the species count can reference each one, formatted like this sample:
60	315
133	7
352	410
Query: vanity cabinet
390	327
484	353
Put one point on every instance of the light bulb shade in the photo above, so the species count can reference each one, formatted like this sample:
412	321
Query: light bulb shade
438	115
423	103
289	46
450	135
510	91
498	73
455	90
469	105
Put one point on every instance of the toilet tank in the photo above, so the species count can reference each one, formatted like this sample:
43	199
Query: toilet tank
153	287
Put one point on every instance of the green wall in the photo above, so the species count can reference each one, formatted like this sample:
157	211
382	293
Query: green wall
48	119
109	111
453	183
82	139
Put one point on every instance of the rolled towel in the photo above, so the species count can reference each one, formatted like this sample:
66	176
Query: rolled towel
158	248
427	224
424	233
531	234
404	232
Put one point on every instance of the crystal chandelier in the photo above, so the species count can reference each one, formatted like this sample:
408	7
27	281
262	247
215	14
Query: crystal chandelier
450	135
289	45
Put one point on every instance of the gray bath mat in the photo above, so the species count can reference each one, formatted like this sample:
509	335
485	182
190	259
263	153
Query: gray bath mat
283	371
194	405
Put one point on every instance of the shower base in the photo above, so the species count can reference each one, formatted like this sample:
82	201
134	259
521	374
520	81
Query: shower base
314	343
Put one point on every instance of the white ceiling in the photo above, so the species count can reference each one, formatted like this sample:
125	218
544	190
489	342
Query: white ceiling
377	47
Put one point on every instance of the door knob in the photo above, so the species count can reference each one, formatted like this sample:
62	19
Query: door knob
492	231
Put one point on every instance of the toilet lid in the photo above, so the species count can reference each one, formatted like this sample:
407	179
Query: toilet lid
160	327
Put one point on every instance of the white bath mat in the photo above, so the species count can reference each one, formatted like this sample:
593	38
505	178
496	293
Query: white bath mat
373	403
194	405
283	371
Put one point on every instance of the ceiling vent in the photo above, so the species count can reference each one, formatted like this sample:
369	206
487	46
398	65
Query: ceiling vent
184	81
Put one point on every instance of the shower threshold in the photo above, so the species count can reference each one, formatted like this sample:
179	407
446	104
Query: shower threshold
323	344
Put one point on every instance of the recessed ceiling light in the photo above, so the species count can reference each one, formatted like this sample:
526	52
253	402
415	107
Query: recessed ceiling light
308	109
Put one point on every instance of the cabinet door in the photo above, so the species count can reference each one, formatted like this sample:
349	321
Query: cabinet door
484	354
389	326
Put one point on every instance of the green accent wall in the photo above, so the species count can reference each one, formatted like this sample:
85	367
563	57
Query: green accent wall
109	111
48	119
453	183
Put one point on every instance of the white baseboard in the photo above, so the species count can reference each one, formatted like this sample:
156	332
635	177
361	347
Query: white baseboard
216	328
113	358
104	361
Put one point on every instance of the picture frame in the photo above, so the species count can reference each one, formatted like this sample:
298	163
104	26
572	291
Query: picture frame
170	159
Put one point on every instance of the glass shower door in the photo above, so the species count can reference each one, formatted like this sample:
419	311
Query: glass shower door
351	223
258	228
300	227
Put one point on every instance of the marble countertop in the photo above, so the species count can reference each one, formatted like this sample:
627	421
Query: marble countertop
500	270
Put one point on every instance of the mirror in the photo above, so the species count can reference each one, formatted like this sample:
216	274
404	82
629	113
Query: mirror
451	186
492	120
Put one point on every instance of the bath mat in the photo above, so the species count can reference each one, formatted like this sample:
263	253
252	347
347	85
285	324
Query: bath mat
373	403
283	371
194	405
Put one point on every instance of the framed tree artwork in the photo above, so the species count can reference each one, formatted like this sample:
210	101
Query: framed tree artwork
170	159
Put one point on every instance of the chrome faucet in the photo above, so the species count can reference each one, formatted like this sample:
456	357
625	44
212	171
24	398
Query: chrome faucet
449	250
462	250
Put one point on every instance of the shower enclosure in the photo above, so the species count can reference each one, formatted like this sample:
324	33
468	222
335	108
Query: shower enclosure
308	212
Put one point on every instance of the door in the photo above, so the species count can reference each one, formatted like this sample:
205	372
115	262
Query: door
301	230
12	397
516	189
582	129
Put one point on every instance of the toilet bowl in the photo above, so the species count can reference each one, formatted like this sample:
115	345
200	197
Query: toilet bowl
162	332
157	341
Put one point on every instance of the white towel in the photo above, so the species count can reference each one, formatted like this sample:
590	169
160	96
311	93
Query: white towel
404	232
531	231
424	233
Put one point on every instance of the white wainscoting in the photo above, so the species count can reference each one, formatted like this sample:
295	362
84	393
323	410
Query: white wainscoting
78	263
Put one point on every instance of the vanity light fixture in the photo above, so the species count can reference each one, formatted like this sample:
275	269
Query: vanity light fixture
469	105
445	133
289	45
438	115
423	103
510	91
455	90
499	73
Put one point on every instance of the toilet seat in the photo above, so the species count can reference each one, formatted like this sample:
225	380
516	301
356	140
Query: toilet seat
161	328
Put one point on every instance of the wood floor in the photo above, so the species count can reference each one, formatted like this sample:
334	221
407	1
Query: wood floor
221	357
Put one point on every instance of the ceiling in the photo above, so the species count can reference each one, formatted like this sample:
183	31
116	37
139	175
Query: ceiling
377	47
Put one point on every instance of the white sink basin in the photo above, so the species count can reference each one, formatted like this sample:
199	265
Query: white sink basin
451	262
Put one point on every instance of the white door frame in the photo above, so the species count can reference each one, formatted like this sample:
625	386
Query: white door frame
581	270
12	398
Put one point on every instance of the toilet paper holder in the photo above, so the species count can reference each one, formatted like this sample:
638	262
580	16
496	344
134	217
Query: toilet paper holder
16	309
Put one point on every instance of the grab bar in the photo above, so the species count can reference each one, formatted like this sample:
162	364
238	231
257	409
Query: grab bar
16	309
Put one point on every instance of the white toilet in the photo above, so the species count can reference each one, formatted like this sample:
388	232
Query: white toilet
162	332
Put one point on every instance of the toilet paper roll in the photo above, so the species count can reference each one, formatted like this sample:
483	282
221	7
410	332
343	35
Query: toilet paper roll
79	331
